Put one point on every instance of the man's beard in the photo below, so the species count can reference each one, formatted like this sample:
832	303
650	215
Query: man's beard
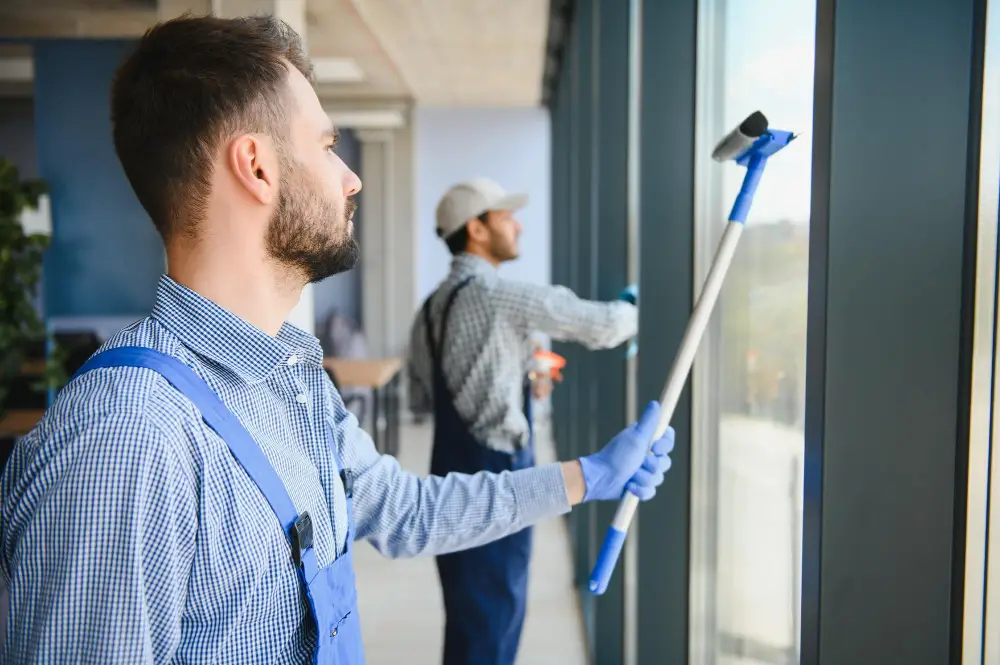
501	250
305	233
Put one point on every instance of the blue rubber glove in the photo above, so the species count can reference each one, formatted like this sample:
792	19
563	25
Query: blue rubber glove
630	294
626	462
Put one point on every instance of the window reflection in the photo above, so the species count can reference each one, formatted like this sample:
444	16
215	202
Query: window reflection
982	611
748	441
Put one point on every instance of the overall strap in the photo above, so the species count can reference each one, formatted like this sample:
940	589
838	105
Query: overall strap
218	417
437	349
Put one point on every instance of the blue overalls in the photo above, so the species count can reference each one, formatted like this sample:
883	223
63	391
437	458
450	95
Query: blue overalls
330	590
485	589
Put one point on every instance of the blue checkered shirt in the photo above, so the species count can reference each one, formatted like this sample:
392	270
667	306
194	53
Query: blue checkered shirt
130	533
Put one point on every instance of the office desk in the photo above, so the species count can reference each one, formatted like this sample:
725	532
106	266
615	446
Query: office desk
381	375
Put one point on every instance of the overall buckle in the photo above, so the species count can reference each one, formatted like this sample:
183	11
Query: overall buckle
301	535
347	478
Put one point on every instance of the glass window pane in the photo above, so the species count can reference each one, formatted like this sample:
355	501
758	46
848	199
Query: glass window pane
748	438
982	566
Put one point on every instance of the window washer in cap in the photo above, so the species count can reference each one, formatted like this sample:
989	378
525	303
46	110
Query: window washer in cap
469	358
194	493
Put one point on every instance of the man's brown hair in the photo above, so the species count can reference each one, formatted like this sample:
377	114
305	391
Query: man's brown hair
191	83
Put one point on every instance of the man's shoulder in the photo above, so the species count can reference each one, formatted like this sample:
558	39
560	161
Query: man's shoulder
131	384
478	301
108	426
122	397
123	416
462	288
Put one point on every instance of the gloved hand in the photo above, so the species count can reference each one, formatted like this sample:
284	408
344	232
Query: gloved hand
630	294
625	463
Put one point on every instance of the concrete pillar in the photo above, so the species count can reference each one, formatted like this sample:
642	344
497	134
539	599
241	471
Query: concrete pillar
378	274
887	445
404	236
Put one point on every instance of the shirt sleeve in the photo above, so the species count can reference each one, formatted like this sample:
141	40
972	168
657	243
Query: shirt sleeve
98	537
404	515
558	312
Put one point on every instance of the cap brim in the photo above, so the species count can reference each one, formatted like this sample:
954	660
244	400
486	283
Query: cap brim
511	202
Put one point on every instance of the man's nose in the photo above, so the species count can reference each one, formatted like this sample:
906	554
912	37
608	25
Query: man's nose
352	183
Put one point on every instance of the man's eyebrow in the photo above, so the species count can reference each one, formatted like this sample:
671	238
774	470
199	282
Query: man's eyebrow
331	132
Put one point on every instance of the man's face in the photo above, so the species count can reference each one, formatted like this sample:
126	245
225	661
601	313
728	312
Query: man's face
504	230
311	228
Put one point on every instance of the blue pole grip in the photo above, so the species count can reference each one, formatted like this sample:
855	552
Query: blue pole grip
741	207
600	577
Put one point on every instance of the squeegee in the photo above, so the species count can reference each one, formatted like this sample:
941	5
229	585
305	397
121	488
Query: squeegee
749	145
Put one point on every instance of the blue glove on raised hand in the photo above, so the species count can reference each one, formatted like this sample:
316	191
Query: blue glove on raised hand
626	462
630	294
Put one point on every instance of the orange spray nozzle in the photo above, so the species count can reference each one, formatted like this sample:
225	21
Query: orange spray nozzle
547	364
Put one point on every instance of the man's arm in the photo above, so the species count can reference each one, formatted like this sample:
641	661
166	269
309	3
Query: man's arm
98	537
558	312
403	515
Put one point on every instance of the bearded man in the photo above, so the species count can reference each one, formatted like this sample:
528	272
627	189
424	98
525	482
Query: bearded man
469	365
194	493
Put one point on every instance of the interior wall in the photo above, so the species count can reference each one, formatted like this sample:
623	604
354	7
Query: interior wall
17	135
100	232
406	297
342	293
106	256
510	146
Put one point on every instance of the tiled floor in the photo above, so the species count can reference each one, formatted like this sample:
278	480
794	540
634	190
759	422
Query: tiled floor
400	601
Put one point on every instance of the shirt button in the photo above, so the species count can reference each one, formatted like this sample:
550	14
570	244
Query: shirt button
293	359
301	398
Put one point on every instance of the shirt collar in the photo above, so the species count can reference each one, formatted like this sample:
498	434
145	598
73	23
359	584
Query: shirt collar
466	264
224	338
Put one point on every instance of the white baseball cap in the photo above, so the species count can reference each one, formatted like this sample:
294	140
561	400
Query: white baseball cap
470	199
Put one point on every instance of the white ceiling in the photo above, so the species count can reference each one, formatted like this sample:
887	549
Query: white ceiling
433	52
464	52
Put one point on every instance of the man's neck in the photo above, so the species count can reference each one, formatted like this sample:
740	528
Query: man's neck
484	255
252	290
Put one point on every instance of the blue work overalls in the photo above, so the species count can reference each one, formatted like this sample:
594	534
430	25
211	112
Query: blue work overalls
485	588
330	590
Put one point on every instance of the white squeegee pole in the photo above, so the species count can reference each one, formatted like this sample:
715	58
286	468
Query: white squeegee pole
614	539
688	349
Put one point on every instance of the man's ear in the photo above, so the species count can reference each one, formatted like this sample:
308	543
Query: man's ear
254	166
477	230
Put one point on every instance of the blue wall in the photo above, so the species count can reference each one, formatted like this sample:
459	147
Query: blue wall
105	257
